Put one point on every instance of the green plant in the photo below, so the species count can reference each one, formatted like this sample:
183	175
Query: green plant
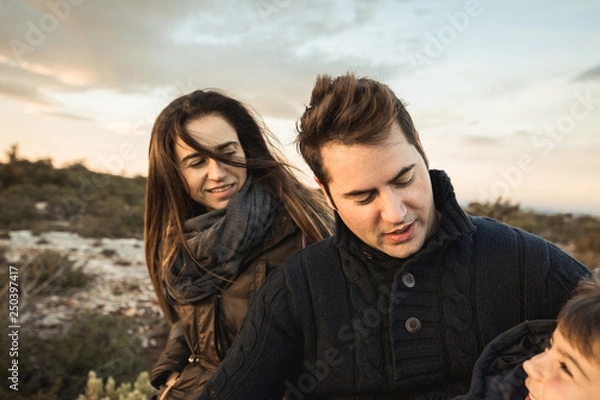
97	390
49	272
43	273
55	368
580	235
35	195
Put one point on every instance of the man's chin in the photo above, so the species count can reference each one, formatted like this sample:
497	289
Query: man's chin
404	250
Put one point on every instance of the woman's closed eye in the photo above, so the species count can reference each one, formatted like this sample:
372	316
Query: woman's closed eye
197	162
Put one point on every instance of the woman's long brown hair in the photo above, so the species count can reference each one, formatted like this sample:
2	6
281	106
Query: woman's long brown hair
168	204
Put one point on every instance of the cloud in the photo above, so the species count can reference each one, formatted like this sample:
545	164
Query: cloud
269	54
591	74
482	141
504	87
28	83
64	115
24	92
34	86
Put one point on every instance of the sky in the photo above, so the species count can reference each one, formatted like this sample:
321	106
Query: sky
505	94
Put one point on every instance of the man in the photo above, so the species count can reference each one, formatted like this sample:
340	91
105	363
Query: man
399	303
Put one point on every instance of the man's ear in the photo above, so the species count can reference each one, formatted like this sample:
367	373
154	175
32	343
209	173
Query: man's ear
325	193
422	149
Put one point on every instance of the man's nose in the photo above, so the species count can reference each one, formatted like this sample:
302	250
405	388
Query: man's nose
393	208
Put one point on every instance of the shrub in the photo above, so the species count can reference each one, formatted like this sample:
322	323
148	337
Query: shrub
55	368
90	203
42	273
96	390
49	272
579	234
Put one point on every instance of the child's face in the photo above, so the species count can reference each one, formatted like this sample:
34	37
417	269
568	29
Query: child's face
562	372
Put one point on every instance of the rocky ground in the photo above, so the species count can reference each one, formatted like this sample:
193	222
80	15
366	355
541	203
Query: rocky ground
120	285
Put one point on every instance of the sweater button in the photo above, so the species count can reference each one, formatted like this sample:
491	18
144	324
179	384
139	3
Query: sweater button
413	325
408	279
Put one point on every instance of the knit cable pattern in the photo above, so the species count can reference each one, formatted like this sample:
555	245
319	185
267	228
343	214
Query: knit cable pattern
369	348
457	309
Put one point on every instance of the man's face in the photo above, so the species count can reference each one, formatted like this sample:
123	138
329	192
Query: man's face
382	193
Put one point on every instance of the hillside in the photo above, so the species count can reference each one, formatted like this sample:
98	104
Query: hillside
577	235
36	196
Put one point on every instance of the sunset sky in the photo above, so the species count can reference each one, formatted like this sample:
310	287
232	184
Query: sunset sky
505	93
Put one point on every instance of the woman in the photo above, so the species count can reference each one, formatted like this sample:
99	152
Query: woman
222	210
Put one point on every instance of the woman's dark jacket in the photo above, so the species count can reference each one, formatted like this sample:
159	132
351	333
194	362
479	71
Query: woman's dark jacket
498	373
200	339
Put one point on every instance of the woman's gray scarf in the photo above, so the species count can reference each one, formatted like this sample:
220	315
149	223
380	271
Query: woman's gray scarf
220	240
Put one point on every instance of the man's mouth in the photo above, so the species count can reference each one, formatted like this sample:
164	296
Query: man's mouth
399	231
402	235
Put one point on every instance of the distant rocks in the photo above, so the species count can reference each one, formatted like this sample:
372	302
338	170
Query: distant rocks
120	286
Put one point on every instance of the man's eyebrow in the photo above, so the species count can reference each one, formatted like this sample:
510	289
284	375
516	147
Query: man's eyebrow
220	147
574	361
357	193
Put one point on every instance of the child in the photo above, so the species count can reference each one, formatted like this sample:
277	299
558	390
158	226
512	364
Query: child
570	366
566	355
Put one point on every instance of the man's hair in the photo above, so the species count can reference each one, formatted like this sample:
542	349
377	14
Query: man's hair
349	110
579	319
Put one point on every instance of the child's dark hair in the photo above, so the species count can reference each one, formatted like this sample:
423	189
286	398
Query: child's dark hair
579	319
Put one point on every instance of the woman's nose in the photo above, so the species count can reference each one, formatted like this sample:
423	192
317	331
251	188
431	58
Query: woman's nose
216	170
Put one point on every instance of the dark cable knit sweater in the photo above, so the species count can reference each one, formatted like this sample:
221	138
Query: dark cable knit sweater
341	320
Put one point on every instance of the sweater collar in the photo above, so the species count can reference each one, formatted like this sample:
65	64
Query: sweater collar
454	222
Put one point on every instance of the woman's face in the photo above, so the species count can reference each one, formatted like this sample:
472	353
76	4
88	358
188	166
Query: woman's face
562	372
210	182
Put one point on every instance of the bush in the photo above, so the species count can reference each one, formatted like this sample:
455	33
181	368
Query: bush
34	193
96	390
17	209
55	368
579	234
45	273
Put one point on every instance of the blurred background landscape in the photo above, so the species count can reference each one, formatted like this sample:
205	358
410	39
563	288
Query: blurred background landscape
505	95
86	301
